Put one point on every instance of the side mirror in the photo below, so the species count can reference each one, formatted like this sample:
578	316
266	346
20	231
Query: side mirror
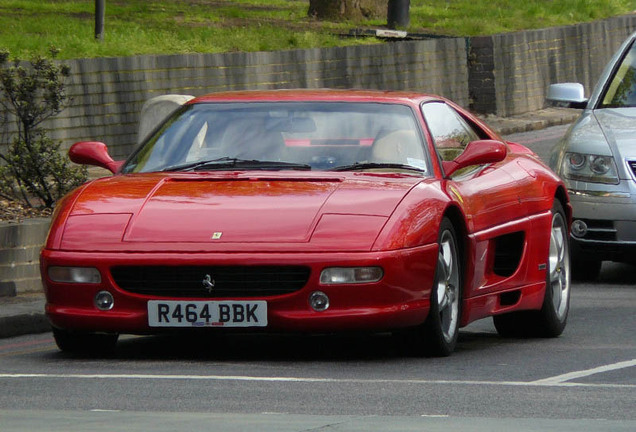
477	153
568	95
93	153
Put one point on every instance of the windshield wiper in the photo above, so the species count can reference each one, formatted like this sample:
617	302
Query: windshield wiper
371	165
227	162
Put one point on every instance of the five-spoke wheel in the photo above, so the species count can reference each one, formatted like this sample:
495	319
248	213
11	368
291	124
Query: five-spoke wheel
550	320
448	285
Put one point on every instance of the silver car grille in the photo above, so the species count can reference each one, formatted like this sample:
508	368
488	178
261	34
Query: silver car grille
632	166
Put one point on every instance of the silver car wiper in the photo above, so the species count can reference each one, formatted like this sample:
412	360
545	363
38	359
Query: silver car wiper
228	162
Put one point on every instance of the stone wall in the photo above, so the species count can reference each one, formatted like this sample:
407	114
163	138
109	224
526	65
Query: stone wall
20	245
526	63
108	92
504	74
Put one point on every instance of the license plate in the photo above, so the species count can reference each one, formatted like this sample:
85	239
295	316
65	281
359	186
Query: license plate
207	313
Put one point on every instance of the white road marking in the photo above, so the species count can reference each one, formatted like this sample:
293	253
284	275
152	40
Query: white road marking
584	373
550	382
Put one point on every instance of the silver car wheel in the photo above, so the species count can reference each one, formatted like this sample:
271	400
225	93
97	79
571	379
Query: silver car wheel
559	278
448	285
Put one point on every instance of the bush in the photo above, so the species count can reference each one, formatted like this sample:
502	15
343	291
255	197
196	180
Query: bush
32	169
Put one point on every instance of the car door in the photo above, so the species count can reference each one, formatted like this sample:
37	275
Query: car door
487	193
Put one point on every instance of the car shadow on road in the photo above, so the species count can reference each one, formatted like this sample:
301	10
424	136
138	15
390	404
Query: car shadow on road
284	347
617	274
263	347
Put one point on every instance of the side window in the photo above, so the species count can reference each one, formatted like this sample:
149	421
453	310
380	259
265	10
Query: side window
451	134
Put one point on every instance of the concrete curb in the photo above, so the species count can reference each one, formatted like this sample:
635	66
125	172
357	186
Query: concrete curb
20	317
24	324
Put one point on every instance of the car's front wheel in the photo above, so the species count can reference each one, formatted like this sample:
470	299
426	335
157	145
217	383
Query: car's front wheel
85	343
437	336
442	325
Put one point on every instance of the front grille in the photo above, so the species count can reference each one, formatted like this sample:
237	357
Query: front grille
632	165
230	281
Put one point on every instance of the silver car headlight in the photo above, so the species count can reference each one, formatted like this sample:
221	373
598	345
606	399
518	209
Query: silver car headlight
590	168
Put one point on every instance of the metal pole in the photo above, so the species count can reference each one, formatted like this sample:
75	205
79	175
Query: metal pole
100	6
398	14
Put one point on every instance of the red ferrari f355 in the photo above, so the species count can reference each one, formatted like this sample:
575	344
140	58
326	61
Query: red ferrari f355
311	211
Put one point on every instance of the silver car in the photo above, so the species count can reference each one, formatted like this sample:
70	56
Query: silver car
597	160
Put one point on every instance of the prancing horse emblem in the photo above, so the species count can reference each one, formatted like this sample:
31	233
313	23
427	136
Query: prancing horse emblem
208	283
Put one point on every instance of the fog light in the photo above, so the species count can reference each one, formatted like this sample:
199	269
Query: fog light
579	228
75	274
104	300
319	301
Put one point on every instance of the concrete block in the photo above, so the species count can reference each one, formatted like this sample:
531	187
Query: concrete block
29	285
8	289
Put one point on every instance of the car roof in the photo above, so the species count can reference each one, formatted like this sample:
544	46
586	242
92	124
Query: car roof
318	95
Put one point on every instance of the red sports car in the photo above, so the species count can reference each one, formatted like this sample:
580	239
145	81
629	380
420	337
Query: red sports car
311	211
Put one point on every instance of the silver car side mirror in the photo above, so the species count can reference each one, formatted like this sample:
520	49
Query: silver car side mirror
570	95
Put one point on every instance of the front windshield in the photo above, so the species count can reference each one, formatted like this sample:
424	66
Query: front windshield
621	91
284	135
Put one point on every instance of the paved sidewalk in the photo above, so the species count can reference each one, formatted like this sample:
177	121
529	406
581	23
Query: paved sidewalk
24	314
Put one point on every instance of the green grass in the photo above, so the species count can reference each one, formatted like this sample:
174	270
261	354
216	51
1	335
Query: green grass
132	27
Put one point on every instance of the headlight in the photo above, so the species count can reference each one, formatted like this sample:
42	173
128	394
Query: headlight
75	275
590	168
600	164
350	275
576	160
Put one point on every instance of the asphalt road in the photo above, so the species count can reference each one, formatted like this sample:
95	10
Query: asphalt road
540	141
584	380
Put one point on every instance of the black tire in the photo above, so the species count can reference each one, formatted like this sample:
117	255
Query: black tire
85	343
437	336
551	319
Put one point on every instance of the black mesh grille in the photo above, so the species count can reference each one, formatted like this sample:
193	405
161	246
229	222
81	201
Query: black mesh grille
185	282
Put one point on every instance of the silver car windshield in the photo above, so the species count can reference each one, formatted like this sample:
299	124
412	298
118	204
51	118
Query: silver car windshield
286	135
621	91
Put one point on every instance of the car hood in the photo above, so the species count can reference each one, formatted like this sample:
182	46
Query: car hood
233	211
619	127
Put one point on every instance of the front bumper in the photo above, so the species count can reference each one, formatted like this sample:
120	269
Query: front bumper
611	225
400	299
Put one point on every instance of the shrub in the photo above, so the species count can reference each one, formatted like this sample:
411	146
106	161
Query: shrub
32	168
